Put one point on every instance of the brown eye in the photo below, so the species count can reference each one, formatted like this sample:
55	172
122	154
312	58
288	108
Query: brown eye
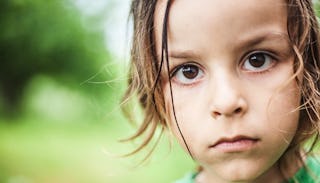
187	74
190	71
258	62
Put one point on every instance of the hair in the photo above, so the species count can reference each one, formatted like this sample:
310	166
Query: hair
145	68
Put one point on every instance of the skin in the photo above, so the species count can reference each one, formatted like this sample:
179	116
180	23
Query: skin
228	96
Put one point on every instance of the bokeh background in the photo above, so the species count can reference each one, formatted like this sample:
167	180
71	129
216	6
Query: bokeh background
62	75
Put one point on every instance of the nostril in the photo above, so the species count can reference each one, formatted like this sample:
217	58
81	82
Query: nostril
238	110
215	114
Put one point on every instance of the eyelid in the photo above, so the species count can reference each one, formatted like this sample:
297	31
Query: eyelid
249	53
176	68
274	59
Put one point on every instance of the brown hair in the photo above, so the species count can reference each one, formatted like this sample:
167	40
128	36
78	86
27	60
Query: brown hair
144	74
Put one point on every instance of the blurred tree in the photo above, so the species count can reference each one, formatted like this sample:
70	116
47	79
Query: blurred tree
45	37
317	7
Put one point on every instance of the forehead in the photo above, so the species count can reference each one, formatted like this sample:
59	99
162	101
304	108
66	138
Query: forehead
198	23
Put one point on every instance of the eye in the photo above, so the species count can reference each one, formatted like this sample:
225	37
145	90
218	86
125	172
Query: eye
258	62
187	74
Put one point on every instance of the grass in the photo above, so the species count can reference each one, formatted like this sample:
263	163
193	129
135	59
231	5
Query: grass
63	136
35	152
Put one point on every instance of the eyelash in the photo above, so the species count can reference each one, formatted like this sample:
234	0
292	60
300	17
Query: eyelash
176	69
266	54
272	56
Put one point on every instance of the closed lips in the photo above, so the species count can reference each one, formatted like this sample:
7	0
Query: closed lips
234	139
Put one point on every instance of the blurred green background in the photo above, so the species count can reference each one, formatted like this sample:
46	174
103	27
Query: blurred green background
62	74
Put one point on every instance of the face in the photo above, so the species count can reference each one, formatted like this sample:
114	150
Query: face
235	99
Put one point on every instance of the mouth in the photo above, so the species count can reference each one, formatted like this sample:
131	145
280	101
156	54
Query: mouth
235	144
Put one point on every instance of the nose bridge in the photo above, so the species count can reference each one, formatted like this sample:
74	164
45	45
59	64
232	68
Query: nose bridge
226	93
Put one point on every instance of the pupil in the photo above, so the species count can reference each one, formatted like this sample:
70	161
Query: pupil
257	60
190	72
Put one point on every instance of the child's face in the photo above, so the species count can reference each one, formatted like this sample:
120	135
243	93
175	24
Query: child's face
230	65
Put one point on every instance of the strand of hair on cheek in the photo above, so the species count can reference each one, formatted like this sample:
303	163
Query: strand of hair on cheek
164	50
151	130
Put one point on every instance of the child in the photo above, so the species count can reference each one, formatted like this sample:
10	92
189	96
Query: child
236	81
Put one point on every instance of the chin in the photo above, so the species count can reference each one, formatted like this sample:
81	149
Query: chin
247	172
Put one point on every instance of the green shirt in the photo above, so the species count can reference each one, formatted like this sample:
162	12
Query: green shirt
311	174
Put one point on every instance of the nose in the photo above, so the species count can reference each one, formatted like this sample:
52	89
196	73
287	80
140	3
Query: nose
227	98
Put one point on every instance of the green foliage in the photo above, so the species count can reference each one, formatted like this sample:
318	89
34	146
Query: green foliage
317	8
47	38
35	152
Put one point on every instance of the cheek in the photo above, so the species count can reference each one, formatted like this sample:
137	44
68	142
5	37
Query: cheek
285	101
181	116
283	111
188	106
173	124
277	101
169	110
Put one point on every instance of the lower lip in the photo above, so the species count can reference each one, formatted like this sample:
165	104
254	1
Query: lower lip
236	146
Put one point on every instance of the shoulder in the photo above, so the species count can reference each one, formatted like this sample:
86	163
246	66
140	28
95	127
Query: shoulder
188	178
310	173
313	167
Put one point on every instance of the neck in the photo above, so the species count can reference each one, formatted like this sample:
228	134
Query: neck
272	175
292	162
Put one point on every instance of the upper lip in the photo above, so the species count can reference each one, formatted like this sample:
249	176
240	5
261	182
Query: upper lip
233	139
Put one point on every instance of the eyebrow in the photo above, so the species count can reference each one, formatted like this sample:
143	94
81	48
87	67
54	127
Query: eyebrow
241	44
183	54
256	40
